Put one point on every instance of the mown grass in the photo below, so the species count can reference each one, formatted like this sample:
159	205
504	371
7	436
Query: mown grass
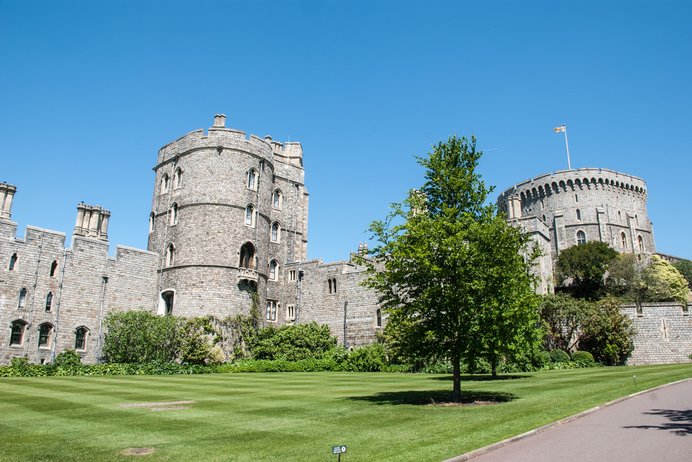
293	416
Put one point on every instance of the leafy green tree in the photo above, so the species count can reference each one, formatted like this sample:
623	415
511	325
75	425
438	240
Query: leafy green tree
608	334
582	268
563	317
451	273
662	282
196	336
139	337
685	268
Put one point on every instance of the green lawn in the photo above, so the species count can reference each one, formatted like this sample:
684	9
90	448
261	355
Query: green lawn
292	416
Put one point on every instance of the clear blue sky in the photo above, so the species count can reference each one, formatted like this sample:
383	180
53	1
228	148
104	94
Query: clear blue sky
91	90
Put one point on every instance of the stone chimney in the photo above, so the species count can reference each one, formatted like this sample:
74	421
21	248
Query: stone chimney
219	121
6	195
92	221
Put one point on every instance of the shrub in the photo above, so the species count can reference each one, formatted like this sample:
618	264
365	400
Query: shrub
140	337
559	356
293	343
583	358
368	358
67	358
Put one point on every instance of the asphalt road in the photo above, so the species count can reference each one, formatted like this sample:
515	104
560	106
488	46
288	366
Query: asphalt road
651	427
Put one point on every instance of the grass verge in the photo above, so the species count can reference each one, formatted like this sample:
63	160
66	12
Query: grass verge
292	416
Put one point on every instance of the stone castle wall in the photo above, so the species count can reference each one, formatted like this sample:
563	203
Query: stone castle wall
86	284
664	333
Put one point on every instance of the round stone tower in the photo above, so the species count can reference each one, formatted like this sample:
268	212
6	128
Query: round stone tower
227	213
587	204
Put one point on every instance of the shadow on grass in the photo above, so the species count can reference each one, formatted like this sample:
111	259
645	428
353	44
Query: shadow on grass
680	421
436	397
485	377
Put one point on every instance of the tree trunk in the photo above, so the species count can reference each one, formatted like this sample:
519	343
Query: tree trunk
456	373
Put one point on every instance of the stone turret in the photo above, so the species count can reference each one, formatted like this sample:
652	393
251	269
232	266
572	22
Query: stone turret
6	195
92	221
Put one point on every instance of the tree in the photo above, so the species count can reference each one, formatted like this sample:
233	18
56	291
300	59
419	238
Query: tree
685	268
608	334
563	317
139	337
582	268
451	273
663	282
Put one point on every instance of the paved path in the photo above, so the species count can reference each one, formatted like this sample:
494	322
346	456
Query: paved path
651	427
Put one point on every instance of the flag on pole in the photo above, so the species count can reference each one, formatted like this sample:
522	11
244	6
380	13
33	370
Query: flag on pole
559	129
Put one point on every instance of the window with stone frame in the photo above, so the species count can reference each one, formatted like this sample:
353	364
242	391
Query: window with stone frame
273	270
165	183
178	178
248	258
640	240
251	179
277	199
173	214
250	215
292	275
290	313
581	237
170	255
53	268
81	334
331	285
49	301
276	232
151	222
378	318
13	262
21	302
17	336
45	331
623	241
272	306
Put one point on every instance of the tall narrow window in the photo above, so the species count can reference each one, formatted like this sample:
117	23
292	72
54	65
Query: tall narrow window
247	256
379	318
578	214
640	240
292	275
273	270
53	268
277	199
576	198
275	232
252	179
13	262
178	178
80	338
271	310
581	237
331	284
167	297
173	214
44	332
22	299
165	183
250	216
170	255
623	239
290	313
151	222
17	336
49	301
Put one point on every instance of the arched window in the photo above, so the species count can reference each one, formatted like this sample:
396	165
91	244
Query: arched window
581	237
273	270
22	299
178	178
379	318
49	301
13	262
247	256
623	239
167	298
275	232
640	240
80	338
151	222
250	215
170	255
165	183
173	214
277	199
18	328
578	214
252	179
45	331
53	268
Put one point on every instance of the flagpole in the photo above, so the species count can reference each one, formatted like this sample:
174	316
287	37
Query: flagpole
569	164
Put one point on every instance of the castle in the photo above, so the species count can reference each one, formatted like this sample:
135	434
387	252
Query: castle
229	219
